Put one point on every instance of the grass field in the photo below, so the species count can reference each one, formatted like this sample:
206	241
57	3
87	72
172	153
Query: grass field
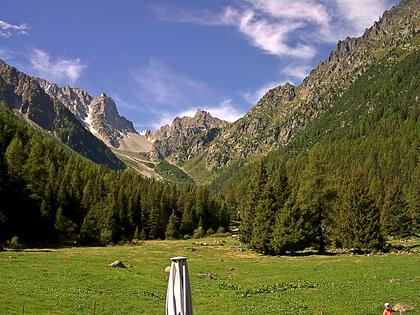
224	280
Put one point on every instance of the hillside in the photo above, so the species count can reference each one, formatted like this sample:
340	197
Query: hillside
285	111
50	194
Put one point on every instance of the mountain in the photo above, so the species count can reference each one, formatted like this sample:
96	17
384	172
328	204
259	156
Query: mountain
283	112
185	138
99	115
24	95
93	127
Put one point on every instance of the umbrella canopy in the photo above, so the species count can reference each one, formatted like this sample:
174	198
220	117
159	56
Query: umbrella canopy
178	295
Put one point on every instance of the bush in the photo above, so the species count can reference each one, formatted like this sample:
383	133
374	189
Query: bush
16	242
199	232
210	231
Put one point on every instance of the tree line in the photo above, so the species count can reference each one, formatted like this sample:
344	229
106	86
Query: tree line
48	193
350	179
322	210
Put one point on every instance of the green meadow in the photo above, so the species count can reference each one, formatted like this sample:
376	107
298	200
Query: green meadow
225	280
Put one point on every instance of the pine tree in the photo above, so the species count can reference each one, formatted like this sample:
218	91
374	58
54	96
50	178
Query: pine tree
256	186
187	221
263	221
65	227
413	199
280	186
172	229
315	197
359	219
292	228
136	234
395	218
15	157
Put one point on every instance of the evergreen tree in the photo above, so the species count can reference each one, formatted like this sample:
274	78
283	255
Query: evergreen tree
395	218
65	227
15	157
172	229
136	234
315	197
256	186
292	229
187	221
413	199
265	211
359	219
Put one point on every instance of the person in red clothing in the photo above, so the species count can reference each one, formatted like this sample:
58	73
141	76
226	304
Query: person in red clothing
387	310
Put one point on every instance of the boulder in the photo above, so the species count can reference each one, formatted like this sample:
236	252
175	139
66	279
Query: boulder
117	264
402	308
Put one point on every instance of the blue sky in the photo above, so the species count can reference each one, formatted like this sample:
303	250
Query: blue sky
160	59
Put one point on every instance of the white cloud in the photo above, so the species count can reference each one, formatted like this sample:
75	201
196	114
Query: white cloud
268	35
6	54
361	13
159	84
170	13
299	72
307	10
287	28
57	70
254	96
8	30
226	110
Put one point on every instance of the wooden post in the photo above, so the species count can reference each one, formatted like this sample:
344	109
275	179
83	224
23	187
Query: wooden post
94	307
322	312
23	309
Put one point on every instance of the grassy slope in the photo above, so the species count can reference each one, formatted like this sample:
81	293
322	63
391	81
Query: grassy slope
173	173
68	281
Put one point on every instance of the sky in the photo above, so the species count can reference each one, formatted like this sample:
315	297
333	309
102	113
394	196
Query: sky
159	59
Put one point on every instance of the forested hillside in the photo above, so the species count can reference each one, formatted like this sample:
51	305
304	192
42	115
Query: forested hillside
351	178
48	193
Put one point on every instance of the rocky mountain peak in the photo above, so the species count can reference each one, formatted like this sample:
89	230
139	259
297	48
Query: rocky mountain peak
105	122
98	114
181	140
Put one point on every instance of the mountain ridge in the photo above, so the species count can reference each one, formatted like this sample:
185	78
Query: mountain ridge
283	111
23	95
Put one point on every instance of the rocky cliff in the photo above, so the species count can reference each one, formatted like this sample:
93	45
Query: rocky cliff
185	138
99	115
24	95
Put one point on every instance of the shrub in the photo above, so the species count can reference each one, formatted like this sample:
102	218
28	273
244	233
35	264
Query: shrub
16	242
221	230
199	232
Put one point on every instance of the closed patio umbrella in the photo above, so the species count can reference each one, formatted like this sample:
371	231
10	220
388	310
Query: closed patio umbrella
178	294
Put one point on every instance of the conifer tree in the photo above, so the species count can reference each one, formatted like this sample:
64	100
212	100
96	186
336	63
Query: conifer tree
187	221
359	218
263	220
315	197
15	157
65	227
292	229
172	229
413	199
395	218
256	186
